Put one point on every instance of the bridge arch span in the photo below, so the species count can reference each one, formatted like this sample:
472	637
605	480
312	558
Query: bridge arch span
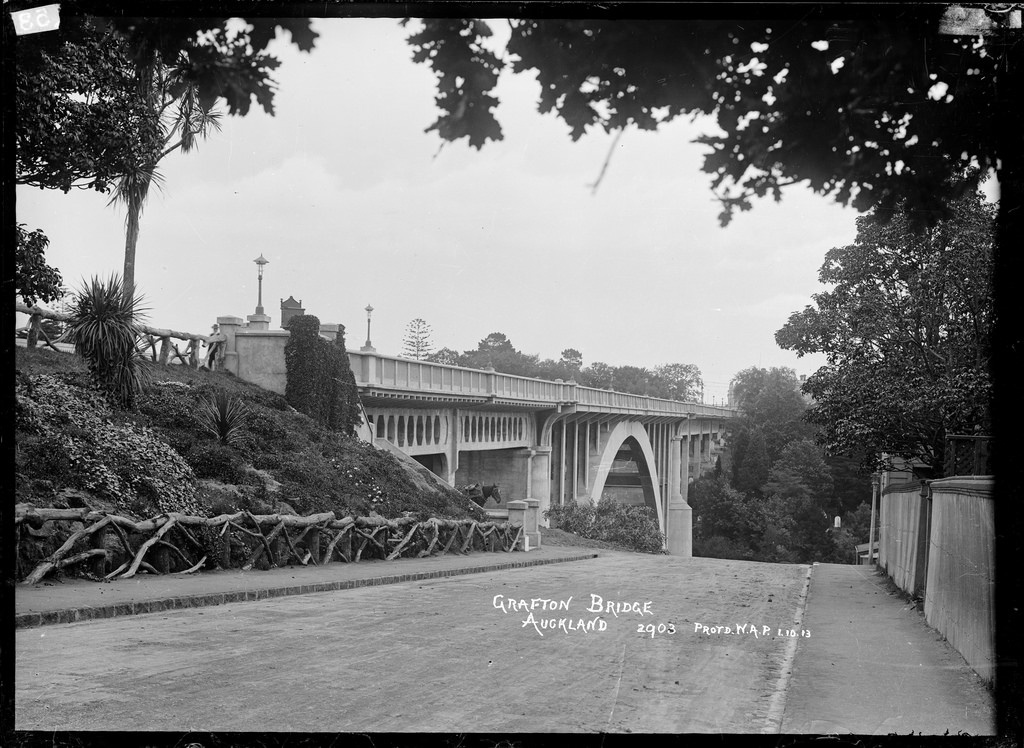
633	436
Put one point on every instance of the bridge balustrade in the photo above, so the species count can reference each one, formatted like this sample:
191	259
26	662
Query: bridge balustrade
373	369
590	396
421	375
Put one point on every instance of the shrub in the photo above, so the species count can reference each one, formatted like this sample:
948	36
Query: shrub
225	418
105	332
344	412
83	446
717	546
320	382
167	406
574	517
634	527
216	461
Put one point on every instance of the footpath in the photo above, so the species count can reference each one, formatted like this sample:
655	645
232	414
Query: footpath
870	666
72	600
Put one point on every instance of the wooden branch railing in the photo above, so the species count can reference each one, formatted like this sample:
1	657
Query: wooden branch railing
269	540
155	339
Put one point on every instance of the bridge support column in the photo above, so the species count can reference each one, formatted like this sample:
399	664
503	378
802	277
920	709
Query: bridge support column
679	533
540	480
452	449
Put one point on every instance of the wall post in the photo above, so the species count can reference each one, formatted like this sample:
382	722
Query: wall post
531	524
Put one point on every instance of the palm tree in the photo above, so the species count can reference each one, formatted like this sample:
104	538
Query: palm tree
184	118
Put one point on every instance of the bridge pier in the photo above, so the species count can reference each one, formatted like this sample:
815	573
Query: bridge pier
452	450
540	480
679	529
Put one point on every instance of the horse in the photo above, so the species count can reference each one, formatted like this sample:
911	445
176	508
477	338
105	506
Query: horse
479	493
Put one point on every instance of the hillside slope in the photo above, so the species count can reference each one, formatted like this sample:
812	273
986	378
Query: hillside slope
73	448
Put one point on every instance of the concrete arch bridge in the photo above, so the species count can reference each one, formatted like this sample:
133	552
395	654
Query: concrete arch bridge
553	441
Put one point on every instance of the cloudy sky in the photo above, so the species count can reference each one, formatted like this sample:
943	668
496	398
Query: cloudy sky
353	203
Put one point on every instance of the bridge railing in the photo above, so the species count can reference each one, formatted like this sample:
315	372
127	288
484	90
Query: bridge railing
611	399
407	374
372	369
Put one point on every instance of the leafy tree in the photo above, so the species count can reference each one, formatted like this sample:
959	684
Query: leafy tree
718	510
132	91
175	102
497	351
417	343
851	482
751	466
566	368
770	400
802	482
635	379
802	459
81	122
33	278
907	328
868	110
445	356
679	382
572	361
598	375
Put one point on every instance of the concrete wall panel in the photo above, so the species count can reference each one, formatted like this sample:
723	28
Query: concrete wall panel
961	569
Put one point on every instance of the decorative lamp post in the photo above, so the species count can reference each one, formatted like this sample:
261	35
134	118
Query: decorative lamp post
369	345
260	262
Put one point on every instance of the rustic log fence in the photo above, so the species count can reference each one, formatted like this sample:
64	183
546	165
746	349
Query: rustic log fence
167	543
155	341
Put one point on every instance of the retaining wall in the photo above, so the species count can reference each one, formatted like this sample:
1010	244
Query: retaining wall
903	536
960	600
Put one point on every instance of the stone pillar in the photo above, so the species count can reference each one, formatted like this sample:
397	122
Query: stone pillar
259	321
517	515
680	516
370	369
329	330
540	479
229	326
531	524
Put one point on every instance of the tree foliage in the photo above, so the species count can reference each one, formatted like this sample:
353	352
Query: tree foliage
83	120
769	400
674	381
907	328
417	343
866	110
751	466
320	382
33	278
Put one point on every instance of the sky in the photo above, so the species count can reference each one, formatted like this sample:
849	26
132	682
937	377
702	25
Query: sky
354	203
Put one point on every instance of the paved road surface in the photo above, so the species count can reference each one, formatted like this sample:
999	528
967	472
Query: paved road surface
436	655
430	656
